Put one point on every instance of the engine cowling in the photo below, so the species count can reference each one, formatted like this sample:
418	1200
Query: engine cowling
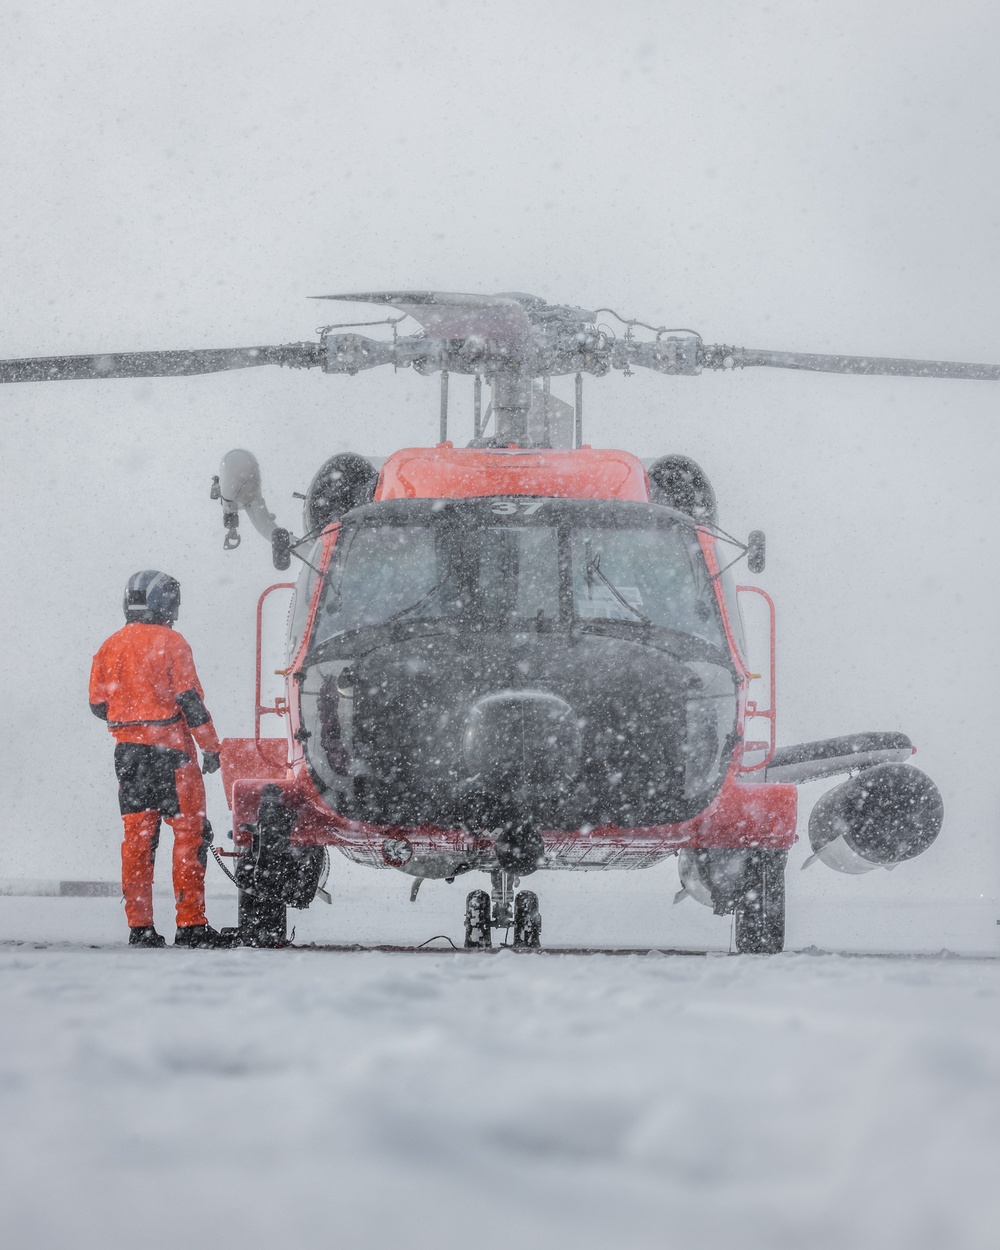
880	818
345	481
678	482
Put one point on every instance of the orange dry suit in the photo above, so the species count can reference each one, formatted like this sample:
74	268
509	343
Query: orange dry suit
143	683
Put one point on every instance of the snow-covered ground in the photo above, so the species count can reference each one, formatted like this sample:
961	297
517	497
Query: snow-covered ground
366	1100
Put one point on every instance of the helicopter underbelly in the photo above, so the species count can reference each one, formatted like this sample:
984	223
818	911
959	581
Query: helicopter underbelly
741	815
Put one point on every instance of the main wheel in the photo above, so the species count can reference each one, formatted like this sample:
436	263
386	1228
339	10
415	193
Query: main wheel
262	921
478	932
262	873
527	921
760	910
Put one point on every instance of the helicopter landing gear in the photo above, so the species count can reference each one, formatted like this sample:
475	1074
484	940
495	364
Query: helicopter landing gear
760	908
478	931
527	921
503	909
274	874
262	912
262	922
502	886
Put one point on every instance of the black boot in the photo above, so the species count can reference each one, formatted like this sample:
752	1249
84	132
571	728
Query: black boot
145	935
203	937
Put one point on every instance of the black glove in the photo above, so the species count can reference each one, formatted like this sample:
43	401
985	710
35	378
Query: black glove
211	761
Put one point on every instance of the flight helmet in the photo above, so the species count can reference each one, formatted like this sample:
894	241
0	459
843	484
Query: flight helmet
152	598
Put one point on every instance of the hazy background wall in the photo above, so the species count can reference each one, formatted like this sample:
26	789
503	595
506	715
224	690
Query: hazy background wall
814	176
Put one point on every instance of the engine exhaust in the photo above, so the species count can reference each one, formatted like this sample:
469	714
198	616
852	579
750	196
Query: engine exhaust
880	818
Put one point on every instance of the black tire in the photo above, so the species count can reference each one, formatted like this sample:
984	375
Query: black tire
478	930
304	866
527	921
262	922
263	915
760	910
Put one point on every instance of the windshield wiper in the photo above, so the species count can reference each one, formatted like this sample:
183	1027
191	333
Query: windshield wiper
593	567
418	603
676	643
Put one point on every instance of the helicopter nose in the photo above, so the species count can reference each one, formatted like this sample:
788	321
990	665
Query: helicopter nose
522	739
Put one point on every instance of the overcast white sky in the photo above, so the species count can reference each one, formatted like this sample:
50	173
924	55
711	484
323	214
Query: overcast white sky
815	176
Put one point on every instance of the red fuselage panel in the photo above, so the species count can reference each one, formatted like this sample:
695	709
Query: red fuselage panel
446	472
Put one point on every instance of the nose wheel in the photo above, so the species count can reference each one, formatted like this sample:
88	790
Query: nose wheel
503	909
478	931
527	921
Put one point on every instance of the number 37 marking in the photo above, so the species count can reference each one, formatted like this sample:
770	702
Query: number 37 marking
509	509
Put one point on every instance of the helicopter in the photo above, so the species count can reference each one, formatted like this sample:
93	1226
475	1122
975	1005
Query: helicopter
526	654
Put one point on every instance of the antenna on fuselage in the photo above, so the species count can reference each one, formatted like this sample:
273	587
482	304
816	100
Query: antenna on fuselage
477	406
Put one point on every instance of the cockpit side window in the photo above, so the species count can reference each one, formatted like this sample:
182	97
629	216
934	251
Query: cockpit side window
381	571
298	611
732	601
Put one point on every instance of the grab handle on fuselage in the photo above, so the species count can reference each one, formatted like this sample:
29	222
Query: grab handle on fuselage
752	709
280	706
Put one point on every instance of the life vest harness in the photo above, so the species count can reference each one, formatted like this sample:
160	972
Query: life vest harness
130	724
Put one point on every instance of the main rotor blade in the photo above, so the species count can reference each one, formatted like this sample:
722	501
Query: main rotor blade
416	299
158	364
718	356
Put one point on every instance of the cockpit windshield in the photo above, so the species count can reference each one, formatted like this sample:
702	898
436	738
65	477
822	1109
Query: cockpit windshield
543	565
651	575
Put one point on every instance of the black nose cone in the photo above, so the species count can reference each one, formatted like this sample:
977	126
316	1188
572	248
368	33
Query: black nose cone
522	740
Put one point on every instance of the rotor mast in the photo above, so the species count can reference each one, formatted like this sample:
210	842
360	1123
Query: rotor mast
512	340
512	395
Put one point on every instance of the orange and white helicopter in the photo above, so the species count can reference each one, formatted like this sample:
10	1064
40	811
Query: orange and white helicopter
526	654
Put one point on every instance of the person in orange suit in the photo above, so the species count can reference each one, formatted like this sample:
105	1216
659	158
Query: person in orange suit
144	684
